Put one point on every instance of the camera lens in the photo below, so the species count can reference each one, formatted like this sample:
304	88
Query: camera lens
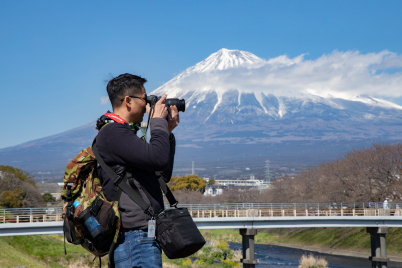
180	104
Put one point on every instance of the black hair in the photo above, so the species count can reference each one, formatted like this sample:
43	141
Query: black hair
124	85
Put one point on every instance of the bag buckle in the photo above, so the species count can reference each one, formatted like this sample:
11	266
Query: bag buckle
175	204
150	211
161	213
70	212
117	180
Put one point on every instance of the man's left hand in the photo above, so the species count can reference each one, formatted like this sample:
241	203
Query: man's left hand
173	118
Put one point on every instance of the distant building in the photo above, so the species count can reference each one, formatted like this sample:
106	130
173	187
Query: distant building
242	183
213	190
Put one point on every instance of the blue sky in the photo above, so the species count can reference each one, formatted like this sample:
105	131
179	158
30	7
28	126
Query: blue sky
56	56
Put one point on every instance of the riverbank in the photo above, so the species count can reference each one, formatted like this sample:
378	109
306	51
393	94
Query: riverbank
48	250
354	242
337	252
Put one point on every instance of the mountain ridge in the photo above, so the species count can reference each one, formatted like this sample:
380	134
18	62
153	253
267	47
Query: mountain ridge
225	121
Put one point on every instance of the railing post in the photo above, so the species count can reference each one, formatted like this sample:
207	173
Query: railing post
248	248
378	246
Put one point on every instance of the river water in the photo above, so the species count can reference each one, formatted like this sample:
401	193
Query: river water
282	257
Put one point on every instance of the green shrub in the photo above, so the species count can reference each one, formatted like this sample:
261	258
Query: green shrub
207	250
217	255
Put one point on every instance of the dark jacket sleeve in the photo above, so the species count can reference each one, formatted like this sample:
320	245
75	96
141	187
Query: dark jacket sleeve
167	173
126	148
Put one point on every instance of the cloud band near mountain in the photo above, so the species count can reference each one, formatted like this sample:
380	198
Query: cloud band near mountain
338	74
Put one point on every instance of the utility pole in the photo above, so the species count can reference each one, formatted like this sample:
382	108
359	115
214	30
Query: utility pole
267	175
192	169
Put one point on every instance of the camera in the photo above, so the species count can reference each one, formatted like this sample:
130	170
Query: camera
180	104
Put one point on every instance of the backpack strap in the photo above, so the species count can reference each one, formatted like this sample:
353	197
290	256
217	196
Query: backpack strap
68	224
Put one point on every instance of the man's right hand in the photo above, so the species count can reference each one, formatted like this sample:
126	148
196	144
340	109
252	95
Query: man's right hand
160	110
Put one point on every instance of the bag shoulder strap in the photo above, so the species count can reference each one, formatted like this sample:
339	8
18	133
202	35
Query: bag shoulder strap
169	195
120	181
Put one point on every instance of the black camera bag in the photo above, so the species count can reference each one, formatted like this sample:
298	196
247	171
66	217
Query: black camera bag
177	233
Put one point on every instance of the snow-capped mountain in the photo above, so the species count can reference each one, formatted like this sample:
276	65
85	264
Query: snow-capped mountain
239	106
217	106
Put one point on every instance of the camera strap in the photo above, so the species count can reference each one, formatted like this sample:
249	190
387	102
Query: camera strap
116	118
149	118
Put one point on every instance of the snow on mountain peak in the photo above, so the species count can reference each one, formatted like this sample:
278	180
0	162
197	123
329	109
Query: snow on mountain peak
221	60
225	59
316	81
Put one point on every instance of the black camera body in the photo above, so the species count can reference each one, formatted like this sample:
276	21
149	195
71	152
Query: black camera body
180	104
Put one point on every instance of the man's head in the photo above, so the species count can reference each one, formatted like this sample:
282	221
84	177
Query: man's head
124	85
127	96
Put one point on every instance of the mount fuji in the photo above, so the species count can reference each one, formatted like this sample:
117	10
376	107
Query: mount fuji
225	103
237	107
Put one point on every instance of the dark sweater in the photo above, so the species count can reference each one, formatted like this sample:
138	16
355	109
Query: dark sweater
124	151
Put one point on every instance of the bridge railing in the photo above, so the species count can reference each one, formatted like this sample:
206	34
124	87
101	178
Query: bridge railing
20	215
45	214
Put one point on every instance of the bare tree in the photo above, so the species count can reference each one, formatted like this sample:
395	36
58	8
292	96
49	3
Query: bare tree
371	174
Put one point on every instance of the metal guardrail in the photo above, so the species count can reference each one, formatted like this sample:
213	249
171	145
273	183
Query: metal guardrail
31	211
323	205
305	205
56	227
225	210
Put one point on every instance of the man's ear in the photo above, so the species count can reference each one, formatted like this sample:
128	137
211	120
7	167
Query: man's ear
126	100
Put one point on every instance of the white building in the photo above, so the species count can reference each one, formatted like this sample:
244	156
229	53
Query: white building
213	190
242	183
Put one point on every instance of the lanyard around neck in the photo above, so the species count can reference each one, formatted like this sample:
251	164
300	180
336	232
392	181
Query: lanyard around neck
116	118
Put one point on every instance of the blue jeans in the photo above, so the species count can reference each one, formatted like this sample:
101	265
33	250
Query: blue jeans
135	249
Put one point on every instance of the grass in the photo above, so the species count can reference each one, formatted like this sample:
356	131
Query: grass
42	251
312	262
10	257
48	250
211	255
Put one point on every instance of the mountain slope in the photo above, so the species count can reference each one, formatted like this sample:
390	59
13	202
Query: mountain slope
215	107
235	108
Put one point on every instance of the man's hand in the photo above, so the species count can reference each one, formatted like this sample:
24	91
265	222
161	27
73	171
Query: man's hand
173	118
160	110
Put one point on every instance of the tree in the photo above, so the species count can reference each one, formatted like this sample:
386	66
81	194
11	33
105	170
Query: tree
12	199
370	174
49	198
16	184
190	182
211	182
18	173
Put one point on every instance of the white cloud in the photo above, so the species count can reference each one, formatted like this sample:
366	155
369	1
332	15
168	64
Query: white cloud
338	74
104	100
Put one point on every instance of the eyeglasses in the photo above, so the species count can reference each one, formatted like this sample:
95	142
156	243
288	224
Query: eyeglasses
134	97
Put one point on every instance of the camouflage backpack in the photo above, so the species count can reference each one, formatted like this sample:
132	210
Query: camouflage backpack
90	220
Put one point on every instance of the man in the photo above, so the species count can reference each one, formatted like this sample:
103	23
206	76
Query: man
124	151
